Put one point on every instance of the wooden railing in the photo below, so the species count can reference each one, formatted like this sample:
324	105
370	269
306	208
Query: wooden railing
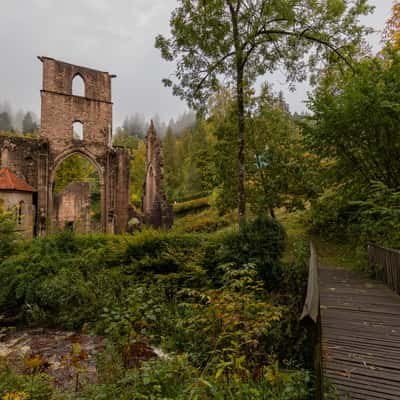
388	263
311	317
311	304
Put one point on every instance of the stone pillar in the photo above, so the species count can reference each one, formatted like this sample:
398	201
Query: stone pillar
122	190
155	207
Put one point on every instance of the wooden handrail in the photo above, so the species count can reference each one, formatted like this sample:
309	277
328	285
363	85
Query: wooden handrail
389	260
311	318
311	304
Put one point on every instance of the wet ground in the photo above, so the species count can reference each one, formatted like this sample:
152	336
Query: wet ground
60	354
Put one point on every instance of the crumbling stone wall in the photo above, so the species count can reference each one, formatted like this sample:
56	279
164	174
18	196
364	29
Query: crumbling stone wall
60	109
21	204
72	207
26	157
155	207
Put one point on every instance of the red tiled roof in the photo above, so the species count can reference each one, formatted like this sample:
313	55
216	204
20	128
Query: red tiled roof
9	181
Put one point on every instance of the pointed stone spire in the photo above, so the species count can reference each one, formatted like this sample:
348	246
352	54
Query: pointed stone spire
151	131
155	207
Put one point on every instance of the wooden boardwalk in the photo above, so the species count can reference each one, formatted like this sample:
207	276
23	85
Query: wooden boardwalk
360	324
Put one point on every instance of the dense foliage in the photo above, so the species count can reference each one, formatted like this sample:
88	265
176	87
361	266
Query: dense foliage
392	31
8	235
356	122
235	42
201	298
355	132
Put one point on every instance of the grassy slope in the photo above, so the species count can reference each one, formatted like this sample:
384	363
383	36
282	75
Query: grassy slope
341	255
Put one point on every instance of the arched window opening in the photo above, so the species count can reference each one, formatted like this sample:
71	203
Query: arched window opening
21	212
78	86
150	189
77	130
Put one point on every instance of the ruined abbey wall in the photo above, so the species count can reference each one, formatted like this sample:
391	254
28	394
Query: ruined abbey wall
37	160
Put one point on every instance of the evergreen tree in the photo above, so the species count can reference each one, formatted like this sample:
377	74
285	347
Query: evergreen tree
5	122
28	124
138	172
135	125
171	172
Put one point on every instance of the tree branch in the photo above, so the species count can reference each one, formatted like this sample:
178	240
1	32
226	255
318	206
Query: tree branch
212	69
304	35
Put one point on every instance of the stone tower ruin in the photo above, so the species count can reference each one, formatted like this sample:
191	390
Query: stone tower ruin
156	210
36	160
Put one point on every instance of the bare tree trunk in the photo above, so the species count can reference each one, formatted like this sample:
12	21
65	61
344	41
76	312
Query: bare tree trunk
241	152
241	115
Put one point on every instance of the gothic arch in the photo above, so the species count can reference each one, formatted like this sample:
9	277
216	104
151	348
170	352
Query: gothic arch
78	85
82	152
61	107
100	172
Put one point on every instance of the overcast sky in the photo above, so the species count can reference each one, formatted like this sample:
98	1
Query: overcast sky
111	35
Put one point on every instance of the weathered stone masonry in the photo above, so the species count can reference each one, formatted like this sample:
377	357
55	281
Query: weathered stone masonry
155	207
36	161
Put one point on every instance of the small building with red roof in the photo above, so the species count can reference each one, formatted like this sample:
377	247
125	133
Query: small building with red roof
16	195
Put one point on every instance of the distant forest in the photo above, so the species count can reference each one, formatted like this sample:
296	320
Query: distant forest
20	121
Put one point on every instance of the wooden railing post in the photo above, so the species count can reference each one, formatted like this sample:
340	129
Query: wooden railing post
389	260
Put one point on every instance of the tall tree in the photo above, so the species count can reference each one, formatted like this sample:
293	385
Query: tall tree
172	175
238	40
280	171
19	117
122	138
204	155
28	124
138	172
356	123
221	123
5	122
392	30
135	125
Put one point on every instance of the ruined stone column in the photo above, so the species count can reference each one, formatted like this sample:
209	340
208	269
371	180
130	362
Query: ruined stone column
155	207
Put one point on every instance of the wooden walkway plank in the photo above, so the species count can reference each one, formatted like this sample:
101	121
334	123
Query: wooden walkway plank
360	327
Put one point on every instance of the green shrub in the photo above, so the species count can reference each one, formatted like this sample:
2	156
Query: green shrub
8	235
333	214
34	387
379	216
175	378
358	215
260	243
293	336
66	280
200	298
